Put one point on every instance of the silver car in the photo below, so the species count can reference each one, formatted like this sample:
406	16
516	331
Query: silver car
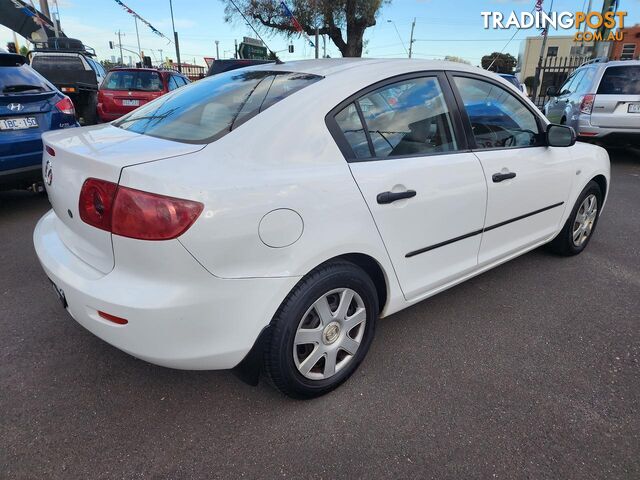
601	101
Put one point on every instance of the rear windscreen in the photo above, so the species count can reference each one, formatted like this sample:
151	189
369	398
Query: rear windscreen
57	62
622	80
21	79
208	109
133	80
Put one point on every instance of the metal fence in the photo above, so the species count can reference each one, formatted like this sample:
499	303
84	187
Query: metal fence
553	72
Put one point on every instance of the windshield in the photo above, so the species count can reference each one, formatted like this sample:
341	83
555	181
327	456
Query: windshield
208	109
21	79
136	80
623	80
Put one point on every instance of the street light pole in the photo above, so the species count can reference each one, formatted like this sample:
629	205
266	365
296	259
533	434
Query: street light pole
217	50
135	19
175	37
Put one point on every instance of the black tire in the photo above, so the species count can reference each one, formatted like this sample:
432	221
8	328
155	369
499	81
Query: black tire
279	362
563	244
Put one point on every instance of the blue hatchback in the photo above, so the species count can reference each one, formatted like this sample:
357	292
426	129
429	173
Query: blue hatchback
29	106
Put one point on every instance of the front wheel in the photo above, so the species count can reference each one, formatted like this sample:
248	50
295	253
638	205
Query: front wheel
322	331
579	228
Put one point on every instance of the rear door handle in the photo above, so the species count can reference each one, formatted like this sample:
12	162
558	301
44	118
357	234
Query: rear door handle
499	177
390	197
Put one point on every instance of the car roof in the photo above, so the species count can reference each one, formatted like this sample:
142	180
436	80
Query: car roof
333	66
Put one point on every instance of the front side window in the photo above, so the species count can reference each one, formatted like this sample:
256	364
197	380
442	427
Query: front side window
406	118
622	80
498	119
133	80
208	109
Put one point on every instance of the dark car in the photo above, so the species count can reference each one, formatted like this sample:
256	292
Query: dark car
512	79
220	66
29	106
125	89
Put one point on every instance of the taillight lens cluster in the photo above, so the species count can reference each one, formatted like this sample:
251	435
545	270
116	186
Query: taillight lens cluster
66	106
133	213
586	105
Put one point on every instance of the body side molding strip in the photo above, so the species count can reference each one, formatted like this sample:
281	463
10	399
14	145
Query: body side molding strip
478	232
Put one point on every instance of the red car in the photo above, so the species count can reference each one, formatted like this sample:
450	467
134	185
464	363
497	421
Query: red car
125	89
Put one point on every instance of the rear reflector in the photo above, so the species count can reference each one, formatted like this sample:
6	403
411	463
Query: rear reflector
133	213
68	89
113	318
50	150
587	134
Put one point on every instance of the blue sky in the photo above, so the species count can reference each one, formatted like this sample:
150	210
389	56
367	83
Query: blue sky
443	27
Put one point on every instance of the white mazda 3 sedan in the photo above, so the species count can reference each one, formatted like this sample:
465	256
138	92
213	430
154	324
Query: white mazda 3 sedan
265	218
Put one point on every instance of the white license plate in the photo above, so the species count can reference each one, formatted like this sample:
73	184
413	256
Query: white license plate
18	123
131	103
634	108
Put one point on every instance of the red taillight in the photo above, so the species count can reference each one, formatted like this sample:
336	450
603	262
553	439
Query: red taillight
113	318
586	106
66	106
96	203
50	150
134	213
148	216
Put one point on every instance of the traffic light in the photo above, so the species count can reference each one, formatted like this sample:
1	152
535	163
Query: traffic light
291	48
11	47
110	44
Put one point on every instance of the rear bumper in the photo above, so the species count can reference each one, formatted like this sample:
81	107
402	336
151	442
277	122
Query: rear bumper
179	315
21	177
613	135
107	116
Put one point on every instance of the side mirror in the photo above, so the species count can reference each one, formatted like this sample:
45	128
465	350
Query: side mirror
560	135
552	91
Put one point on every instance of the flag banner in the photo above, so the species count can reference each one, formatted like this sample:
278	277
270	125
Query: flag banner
296	24
151	27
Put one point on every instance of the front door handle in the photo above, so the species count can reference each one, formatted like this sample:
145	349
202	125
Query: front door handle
390	197
499	177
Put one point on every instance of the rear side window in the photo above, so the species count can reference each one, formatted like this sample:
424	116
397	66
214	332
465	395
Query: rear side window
622	80
22	79
58	62
206	110
132	80
406	118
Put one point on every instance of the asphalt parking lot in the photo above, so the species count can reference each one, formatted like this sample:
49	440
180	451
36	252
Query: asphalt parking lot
531	370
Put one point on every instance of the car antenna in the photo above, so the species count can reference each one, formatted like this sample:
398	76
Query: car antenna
278	61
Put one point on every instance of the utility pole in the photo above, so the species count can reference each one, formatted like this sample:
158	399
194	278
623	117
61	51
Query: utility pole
317	42
120	45
411	40
175	37
135	19
235	50
324	47
161	58
536	79
217	50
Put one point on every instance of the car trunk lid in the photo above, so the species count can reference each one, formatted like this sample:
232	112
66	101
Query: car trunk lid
94	152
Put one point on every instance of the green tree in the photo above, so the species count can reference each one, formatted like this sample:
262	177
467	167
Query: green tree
24	51
499	62
453	58
333	18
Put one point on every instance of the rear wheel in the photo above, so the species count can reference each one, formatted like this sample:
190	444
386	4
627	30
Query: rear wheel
322	331
581	224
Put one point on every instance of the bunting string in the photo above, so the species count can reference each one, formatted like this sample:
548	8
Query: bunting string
134	14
